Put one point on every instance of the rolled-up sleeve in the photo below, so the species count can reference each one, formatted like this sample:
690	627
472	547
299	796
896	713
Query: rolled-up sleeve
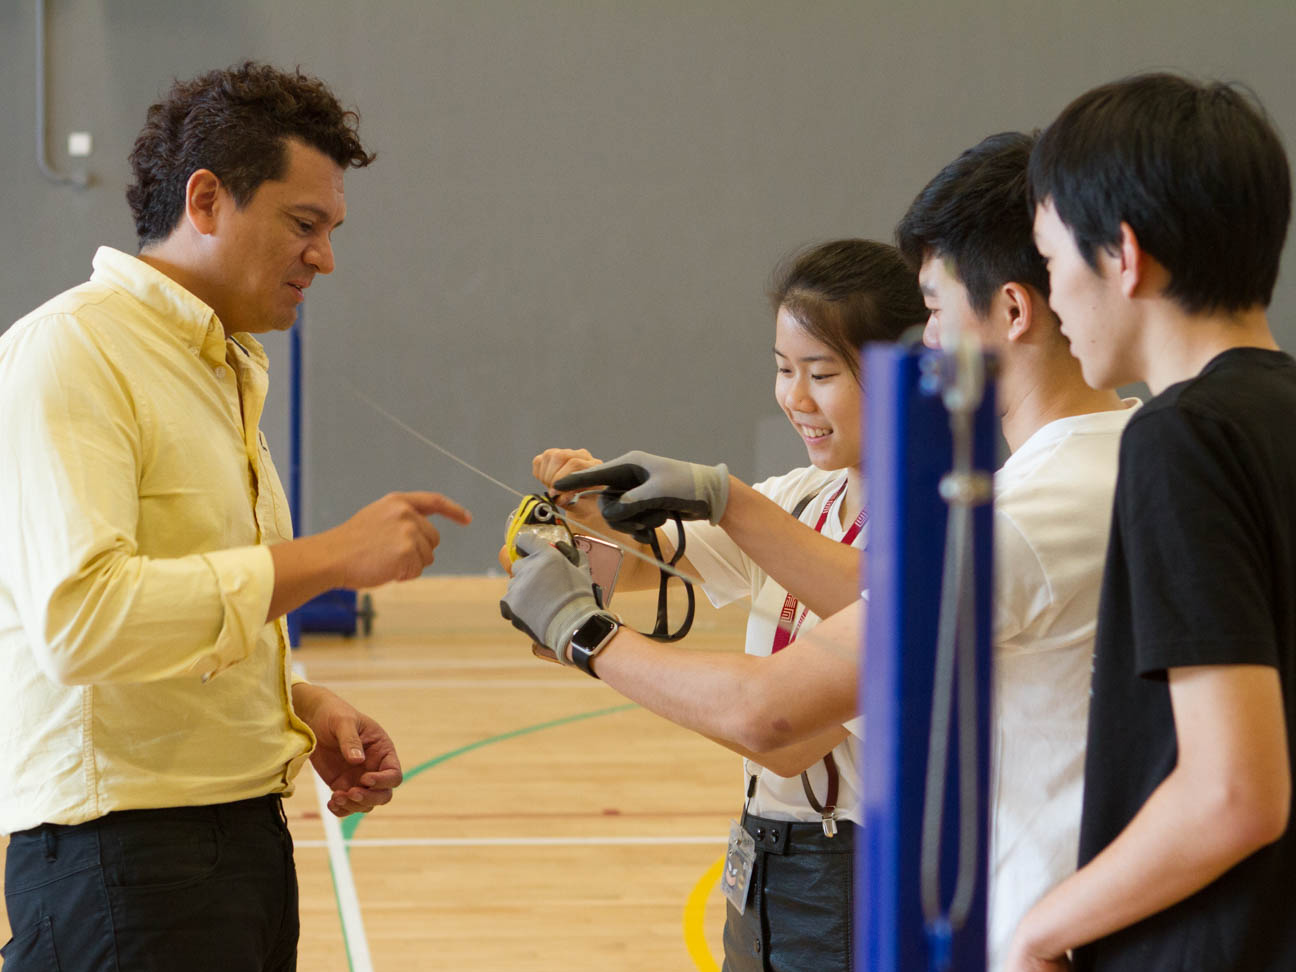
245	578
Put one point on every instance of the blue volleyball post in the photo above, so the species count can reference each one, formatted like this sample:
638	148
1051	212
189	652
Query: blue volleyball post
909	452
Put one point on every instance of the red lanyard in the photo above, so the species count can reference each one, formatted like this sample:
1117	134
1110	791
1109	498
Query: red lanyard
789	622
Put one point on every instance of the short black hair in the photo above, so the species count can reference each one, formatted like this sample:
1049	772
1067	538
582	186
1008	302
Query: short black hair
976	213
234	122
846	293
1196	170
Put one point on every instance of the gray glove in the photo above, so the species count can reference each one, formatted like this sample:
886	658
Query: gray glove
550	594
642	490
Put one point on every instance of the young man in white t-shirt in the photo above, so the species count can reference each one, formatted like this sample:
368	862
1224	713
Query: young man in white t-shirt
969	231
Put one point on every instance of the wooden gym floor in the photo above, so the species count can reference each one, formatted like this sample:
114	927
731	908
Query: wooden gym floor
544	823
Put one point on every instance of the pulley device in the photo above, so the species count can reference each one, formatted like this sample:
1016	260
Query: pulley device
540	516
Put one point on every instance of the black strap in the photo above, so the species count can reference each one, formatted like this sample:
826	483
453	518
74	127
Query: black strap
543	512
661	630
751	790
801	505
830	800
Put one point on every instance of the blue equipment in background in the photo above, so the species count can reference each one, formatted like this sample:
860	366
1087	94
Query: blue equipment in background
341	610
914	910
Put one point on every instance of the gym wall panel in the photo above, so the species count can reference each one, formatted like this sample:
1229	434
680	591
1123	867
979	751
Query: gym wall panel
576	205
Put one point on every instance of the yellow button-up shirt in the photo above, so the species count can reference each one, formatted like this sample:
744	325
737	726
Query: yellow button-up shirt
137	499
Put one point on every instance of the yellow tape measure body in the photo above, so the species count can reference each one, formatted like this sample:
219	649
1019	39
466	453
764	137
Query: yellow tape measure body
535	514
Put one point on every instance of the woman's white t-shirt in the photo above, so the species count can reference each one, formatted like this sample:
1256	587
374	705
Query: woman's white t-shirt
729	574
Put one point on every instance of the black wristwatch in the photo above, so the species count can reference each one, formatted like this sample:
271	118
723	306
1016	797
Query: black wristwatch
590	638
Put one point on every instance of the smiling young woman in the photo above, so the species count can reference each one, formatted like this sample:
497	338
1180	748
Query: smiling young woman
828	302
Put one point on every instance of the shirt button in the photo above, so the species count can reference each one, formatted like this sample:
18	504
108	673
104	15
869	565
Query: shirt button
220	372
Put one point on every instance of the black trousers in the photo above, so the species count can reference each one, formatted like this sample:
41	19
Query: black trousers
801	902
186	889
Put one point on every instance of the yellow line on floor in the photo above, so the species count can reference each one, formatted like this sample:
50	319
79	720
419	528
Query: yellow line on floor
694	912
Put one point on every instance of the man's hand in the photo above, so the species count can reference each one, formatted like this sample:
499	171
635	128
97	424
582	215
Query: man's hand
641	490
353	755
550	594
391	539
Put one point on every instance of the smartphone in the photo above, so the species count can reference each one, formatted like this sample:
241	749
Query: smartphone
604	560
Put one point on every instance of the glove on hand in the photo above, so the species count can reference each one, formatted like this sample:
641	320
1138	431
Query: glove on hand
550	594
642	490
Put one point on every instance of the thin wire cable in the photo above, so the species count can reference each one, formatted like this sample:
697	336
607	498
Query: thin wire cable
428	442
942	697
956	651
561	514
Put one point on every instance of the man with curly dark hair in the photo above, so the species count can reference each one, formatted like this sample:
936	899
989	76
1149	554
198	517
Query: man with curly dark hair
149	719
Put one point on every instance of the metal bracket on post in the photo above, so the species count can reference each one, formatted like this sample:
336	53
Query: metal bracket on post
909	470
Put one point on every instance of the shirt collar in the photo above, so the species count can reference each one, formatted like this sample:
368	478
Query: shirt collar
245	344
1088	422
187	317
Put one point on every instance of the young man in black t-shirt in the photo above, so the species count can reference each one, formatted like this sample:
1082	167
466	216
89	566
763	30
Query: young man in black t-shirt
1161	209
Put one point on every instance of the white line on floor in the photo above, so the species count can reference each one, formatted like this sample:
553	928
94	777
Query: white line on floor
515	841
353	930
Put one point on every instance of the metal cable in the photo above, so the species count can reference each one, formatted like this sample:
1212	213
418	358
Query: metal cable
955	653
584	527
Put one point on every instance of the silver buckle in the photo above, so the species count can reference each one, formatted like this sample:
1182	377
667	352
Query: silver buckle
829	821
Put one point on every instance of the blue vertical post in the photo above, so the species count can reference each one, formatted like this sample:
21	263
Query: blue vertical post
294	450
908	452
334	611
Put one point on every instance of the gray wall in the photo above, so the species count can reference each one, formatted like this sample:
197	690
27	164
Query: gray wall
577	204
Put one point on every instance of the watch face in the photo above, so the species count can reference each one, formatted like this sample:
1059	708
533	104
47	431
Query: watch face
593	631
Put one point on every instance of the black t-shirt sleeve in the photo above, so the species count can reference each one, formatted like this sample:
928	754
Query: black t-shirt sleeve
1196	552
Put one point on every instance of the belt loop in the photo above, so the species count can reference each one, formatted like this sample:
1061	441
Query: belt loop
51	842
